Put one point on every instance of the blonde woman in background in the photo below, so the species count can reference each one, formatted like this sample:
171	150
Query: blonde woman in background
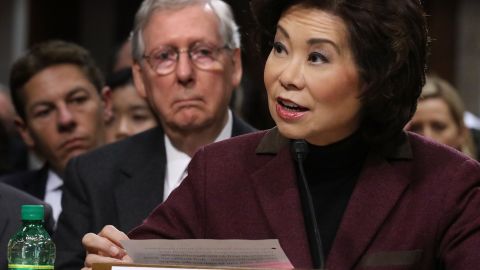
439	116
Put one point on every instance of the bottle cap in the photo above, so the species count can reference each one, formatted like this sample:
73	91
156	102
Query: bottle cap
32	212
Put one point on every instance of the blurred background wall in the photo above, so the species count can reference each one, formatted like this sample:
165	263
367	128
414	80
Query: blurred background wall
101	25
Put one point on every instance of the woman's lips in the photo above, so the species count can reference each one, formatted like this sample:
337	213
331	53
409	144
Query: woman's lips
289	111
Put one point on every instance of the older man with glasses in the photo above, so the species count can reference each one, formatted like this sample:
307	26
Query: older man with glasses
187	63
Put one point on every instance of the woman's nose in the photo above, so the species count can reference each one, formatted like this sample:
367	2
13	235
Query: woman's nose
292	76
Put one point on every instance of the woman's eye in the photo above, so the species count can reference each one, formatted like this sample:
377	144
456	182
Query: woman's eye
317	57
438	126
278	48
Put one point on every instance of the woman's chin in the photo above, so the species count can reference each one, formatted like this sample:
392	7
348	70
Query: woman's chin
290	132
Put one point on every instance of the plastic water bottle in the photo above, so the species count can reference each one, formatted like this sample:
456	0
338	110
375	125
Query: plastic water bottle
31	247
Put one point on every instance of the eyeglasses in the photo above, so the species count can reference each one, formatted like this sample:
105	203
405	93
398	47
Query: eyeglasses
205	57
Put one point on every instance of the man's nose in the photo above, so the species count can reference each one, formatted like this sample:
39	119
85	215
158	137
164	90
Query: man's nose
184	68
66	119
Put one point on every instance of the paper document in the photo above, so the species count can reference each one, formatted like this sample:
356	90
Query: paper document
233	253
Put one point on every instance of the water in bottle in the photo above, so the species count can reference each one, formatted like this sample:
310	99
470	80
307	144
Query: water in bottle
31	247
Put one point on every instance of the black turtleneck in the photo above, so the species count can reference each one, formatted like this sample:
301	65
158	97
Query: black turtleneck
332	172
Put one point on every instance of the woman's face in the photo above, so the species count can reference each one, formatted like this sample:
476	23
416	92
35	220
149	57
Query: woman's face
312	81
434	120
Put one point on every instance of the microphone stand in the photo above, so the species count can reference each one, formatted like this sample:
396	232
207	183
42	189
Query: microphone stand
300	151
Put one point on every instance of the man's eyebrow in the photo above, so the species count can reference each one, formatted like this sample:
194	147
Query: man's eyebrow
39	104
76	90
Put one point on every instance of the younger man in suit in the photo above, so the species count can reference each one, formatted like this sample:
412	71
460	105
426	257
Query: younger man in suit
56	90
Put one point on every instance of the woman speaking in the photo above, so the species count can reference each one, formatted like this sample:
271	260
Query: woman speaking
337	181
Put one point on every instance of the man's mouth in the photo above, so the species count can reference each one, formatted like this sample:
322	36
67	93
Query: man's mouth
72	143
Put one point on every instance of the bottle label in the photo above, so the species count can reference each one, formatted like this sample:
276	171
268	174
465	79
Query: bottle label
29	267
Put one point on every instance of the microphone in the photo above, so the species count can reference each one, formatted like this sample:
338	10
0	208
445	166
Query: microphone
300	150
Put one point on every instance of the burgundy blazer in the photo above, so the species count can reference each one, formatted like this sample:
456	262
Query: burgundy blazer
417	207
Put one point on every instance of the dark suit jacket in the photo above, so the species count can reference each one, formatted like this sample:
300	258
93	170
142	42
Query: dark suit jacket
32	182
119	184
11	200
415	208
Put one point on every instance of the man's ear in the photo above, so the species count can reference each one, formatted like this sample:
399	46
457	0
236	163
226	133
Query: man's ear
237	71
24	132
107	103
138	79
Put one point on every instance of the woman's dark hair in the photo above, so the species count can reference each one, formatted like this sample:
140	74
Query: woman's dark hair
47	54
389	41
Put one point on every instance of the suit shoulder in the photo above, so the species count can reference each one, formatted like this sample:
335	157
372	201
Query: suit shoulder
20	179
15	198
123	148
241	127
441	165
436	154
15	195
242	146
250	139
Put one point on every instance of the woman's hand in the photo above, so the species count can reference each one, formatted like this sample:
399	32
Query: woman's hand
105	247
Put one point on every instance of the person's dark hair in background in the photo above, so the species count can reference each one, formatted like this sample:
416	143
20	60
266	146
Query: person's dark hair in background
4	146
120	78
122	57
46	55
13	151
391	65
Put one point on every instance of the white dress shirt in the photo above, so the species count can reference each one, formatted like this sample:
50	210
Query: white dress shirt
177	161
53	193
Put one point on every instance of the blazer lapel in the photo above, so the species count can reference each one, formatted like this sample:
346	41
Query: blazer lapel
139	187
378	189
276	189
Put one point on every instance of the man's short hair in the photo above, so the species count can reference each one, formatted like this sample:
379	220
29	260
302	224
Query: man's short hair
228	29
47	54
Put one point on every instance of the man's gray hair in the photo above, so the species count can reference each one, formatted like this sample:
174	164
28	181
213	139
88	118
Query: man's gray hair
228	29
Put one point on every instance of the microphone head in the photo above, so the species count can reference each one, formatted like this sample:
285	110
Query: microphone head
299	149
